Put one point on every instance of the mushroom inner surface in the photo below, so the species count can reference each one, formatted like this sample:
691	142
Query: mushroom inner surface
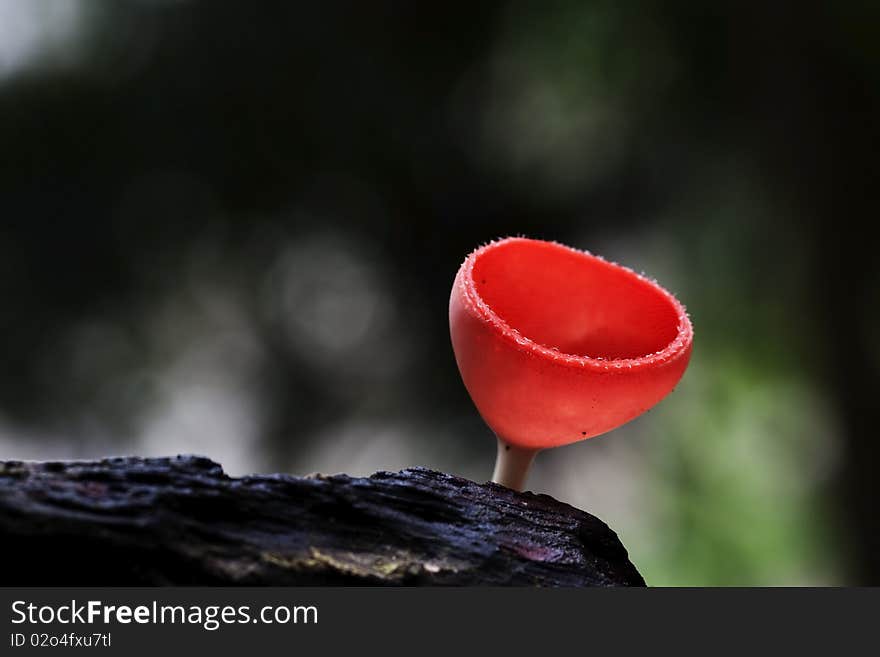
574	302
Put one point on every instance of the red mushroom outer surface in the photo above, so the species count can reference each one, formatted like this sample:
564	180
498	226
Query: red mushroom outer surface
556	345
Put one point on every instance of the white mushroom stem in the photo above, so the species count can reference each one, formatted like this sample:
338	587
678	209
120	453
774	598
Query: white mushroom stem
512	465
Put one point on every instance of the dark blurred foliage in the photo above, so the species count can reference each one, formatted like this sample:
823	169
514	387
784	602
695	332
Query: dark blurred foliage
310	177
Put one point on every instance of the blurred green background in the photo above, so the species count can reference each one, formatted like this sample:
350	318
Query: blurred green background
231	228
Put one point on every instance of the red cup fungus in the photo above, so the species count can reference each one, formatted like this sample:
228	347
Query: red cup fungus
556	345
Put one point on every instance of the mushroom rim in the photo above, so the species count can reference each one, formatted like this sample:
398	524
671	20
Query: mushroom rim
670	353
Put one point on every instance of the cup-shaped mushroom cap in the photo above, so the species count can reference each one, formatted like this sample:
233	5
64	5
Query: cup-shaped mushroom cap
556	345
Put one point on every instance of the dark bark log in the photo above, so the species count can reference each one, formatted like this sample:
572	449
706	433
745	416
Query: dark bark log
182	521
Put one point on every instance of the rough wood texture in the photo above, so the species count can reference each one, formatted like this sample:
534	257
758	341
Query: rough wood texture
182	521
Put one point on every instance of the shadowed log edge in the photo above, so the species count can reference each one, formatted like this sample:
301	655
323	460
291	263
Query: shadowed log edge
181	521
